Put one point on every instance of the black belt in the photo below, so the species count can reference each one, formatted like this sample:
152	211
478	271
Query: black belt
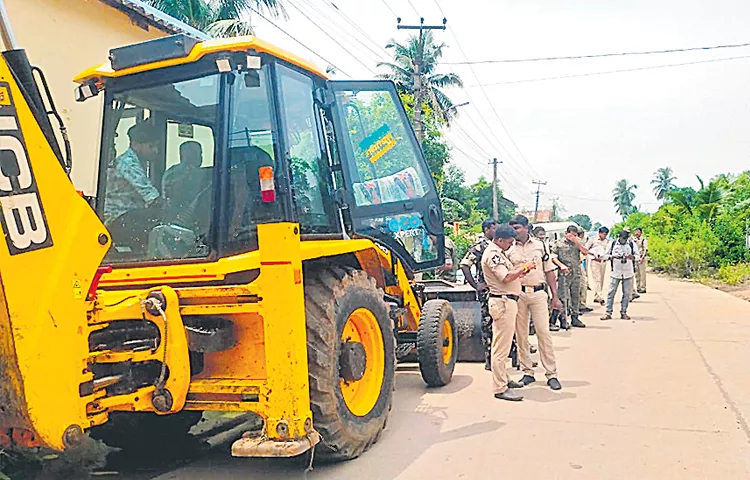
504	295
532	288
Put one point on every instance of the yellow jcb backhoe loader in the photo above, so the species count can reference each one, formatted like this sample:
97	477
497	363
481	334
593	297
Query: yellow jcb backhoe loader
251	248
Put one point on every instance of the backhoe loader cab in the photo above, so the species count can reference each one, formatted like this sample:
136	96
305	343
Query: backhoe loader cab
196	155
258	228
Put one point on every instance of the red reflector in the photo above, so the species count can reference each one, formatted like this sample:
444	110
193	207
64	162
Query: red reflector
267	187
268	196
95	281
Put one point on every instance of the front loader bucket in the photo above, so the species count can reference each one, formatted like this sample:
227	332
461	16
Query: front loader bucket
467	313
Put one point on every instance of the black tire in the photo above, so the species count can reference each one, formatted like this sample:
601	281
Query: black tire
436	372
332	293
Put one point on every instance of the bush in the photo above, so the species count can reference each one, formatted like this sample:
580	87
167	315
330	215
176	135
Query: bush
684	257
734	274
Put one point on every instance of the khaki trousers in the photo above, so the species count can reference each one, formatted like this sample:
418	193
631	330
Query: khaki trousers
584	285
640	275
534	305
503	311
598	272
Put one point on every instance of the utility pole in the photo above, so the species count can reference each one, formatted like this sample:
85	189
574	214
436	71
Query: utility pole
418	125
495	212
538	184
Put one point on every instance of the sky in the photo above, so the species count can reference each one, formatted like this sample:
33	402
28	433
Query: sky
581	134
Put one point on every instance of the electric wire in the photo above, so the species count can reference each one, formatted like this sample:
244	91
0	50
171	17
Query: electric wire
608	72
599	55
298	41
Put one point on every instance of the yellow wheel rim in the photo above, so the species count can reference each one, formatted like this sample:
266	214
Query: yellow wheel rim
361	395
447	342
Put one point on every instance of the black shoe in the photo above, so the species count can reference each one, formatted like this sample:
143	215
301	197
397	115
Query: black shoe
564	323
553	327
577	323
586	309
510	395
514	384
527	379
488	365
532	349
554	384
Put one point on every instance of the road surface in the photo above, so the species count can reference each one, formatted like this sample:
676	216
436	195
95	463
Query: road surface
666	395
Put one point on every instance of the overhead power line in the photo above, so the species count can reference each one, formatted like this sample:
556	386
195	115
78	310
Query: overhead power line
599	55
492	106
389	8
608	72
299	42
315	11
325	32
349	20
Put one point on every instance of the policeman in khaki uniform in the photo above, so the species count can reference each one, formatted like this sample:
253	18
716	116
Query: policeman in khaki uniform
504	282
533	301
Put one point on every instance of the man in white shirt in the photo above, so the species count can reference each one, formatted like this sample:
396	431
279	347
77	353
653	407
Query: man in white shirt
598	247
622	255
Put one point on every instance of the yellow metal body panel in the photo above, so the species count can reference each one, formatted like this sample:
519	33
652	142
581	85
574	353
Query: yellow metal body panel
43	332
235	44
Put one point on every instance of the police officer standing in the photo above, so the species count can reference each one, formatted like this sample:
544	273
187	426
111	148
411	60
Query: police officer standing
504	282
533	301
568	251
474	258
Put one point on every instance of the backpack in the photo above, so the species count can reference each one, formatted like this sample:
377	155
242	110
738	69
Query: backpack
612	247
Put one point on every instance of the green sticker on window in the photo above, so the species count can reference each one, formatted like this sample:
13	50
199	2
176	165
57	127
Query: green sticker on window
378	143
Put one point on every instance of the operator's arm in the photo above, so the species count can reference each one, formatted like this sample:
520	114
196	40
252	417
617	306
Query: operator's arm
132	171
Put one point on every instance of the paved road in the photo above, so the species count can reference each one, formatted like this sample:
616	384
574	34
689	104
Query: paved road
666	395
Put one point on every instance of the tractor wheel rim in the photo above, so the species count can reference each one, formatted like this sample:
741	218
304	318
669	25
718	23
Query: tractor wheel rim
362	395
447	342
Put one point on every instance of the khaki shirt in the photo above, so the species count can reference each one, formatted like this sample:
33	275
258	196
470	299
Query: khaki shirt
533	251
496	266
597	247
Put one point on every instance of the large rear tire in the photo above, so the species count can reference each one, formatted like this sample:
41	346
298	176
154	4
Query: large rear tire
347	318
437	343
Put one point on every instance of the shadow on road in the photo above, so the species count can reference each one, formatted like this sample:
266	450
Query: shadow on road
415	425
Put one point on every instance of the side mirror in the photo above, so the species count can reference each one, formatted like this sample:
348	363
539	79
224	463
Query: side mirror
85	91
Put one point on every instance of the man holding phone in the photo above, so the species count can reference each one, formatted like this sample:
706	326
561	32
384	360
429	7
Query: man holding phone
622	256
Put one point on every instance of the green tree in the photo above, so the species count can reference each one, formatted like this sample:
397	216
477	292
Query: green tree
623	196
413	70
663	182
583	220
219	18
482	193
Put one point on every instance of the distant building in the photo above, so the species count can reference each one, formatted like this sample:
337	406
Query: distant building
541	215
65	37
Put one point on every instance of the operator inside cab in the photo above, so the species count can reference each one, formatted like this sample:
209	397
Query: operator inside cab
128	185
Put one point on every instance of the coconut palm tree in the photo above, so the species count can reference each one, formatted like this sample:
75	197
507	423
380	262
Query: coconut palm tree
218	18
623	196
413	70
663	182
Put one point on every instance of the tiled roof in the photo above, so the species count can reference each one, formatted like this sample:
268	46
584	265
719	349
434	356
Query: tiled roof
155	17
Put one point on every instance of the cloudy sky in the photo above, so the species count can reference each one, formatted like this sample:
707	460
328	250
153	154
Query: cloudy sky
580	134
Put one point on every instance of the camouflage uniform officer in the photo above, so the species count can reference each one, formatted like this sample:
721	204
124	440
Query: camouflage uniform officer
568	251
474	257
